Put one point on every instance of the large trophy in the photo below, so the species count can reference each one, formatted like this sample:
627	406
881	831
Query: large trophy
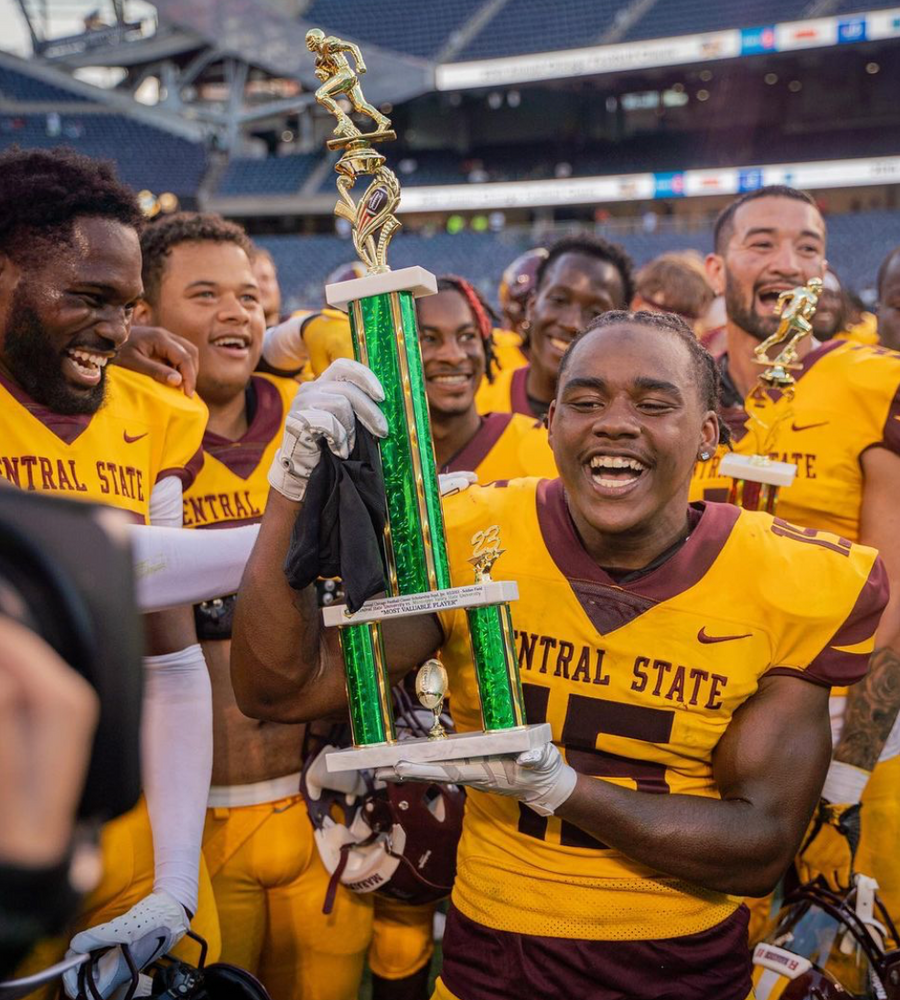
757	478
385	338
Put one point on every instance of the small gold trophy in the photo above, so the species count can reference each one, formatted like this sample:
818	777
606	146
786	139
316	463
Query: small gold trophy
757	478
431	690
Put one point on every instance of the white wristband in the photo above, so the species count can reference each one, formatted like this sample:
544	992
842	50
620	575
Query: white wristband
844	783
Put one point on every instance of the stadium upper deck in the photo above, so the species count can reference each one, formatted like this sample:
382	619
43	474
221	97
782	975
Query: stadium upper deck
449	31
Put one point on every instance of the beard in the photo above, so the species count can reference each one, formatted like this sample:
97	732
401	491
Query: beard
746	317
34	361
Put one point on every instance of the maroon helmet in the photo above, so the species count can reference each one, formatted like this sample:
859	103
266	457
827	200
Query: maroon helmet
398	840
517	283
829	947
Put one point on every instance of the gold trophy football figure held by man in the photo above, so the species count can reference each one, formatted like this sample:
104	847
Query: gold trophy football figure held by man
756	479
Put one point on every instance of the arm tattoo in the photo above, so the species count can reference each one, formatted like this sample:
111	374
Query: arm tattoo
872	707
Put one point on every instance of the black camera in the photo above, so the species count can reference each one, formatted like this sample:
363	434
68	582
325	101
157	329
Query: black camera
66	574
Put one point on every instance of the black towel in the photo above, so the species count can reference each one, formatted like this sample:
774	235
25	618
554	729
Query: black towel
340	529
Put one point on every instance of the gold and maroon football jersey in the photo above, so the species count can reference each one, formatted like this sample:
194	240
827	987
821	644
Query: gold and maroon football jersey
639	681
507	446
232	486
847	399
143	433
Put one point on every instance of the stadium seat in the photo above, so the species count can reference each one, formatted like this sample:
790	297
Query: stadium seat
419	29
274	175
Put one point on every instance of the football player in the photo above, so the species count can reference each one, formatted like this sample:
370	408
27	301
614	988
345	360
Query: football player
611	861
843	434
268	879
72	423
889	300
456	336
458	356
580	278
831	313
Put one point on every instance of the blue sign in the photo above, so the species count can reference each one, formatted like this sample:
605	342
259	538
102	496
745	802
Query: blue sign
755	40
852	30
750	180
669	185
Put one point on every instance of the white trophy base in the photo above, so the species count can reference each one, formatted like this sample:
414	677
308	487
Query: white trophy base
758	469
476	595
409	279
452	747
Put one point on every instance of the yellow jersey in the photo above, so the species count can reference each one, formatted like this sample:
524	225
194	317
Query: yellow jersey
846	400
863	332
232	487
508	349
143	433
639	681
507	446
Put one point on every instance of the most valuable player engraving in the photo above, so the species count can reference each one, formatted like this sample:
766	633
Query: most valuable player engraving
372	218
757	478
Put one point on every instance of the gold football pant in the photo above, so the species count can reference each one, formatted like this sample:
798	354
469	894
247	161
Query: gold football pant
126	847
270	885
402	938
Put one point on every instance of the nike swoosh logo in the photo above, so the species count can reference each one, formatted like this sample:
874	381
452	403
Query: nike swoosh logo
130	440
807	427
703	637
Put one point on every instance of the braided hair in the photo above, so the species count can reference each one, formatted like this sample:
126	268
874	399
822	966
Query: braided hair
706	371
483	313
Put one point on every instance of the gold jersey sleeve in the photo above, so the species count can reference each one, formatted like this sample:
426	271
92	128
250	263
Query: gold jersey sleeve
144	432
508	349
847	399
507	446
326	335
638	682
233	485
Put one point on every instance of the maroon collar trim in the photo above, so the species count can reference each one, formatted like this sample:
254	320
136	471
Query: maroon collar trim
66	428
243	456
472	454
686	568
518	392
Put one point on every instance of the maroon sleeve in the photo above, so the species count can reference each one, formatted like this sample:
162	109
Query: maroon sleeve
837	666
188	473
890	436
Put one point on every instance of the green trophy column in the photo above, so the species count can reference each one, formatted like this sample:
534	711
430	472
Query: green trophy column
385	339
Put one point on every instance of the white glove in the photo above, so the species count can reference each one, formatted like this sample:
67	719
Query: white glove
150	929
326	409
318	777
456	482
540	777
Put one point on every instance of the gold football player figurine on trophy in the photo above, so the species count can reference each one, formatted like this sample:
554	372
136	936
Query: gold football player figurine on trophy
796	309
340	79
375	211
757	478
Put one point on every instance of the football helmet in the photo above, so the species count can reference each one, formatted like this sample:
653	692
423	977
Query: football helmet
172	979
397	840
826	946
517	283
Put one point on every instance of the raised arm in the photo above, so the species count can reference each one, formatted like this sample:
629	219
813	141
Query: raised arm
285	666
